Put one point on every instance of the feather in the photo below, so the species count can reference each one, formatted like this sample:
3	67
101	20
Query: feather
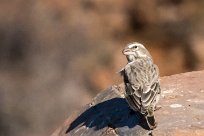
141	79
142	85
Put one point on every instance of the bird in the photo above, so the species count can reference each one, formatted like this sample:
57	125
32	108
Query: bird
141	79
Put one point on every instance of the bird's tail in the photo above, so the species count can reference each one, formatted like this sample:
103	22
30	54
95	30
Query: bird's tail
151	122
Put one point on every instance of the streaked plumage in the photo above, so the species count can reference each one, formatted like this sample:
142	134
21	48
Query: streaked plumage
141	78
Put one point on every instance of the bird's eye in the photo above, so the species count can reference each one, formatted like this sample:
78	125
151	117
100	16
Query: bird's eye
134	47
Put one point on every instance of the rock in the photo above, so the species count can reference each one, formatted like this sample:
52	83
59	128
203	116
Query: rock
181	113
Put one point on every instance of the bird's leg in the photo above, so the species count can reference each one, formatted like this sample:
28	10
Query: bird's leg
157	107
151	119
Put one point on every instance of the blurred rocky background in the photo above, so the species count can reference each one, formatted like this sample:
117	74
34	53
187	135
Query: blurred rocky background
56	55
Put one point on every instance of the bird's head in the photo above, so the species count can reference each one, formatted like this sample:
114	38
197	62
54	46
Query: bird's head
134	51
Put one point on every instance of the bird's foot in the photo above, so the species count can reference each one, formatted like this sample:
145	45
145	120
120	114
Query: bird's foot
157	107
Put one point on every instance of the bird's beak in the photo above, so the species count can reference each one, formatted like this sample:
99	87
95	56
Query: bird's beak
127	51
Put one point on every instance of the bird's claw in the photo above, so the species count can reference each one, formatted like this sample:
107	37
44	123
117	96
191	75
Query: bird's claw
157	107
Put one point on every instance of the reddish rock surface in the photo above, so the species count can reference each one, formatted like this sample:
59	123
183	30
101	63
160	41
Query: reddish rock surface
182	111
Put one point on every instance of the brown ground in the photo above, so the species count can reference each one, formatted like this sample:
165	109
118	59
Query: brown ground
181	112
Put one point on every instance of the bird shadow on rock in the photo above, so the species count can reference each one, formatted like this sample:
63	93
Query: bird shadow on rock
113	113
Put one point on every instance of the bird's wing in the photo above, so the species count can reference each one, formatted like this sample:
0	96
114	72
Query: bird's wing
151	88
133	76
143	85
133	87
